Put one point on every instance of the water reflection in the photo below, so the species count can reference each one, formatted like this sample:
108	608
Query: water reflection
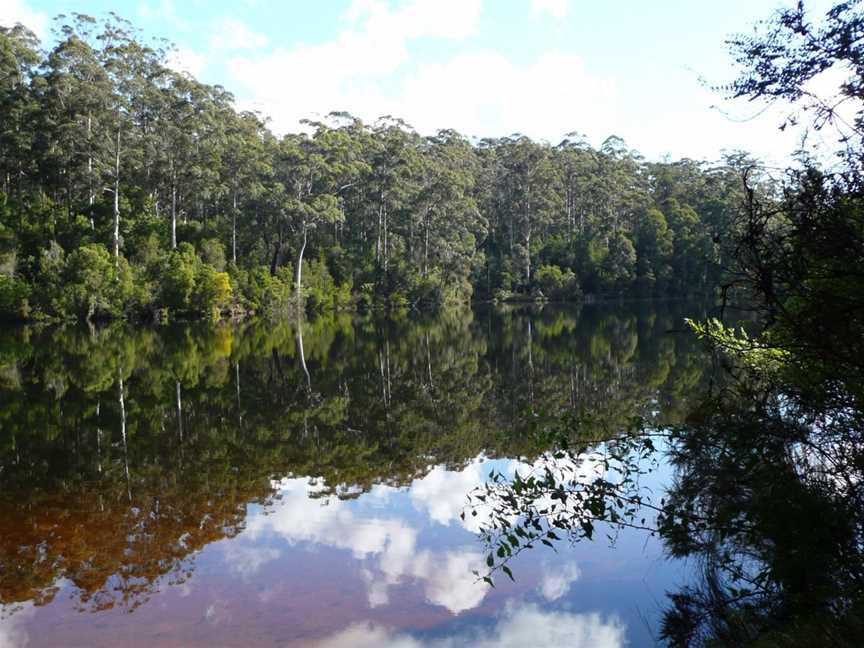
219	479
517	626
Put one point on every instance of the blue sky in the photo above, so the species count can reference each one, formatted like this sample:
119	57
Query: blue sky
483	67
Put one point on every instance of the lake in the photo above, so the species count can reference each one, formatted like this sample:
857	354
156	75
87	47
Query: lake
302	484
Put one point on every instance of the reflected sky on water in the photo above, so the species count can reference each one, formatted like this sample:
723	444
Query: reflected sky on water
230	500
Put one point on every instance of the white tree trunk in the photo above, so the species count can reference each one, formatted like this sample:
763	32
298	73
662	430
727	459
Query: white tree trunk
298	272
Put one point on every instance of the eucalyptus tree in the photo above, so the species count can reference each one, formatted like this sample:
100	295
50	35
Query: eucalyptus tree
19	59
312	174
394	160
131	67
533	188
446	217
76	98
576	159
245	164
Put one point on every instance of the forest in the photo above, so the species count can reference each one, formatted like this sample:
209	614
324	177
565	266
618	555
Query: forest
130	190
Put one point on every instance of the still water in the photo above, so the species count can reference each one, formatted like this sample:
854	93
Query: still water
287	484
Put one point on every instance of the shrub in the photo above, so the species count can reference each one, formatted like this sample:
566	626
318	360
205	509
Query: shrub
212	290
178	278
213	253
557	283
321	290
94	285
14	296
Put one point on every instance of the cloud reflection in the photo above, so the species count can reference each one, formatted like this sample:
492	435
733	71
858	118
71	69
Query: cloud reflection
12	618
556	582
389	544
517	627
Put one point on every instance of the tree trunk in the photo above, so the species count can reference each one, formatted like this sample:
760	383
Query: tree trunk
298	271
179	410
173	206
117	202
386	244
122	401
234	229
426	246
90	193
302	354
378	237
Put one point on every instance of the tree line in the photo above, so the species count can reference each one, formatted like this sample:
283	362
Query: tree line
130	189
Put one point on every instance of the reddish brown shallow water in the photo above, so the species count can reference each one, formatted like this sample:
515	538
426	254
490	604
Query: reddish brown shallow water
392	567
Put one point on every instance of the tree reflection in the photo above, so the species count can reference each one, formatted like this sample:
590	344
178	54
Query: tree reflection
766	500
123	452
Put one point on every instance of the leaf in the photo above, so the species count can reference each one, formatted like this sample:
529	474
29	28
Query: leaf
507	571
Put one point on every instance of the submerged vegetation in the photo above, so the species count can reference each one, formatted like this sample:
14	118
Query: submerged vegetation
130	190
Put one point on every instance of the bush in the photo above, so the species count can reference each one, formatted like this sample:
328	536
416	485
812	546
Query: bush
213	253
212	290
188	285
14	296
556	283
320	289
428	292
178	278
262	292
94	285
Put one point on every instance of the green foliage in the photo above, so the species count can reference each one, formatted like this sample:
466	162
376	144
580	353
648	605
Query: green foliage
320	289
103	144
261	292
189	285
557	283
14	295
178	278
94	285
213	254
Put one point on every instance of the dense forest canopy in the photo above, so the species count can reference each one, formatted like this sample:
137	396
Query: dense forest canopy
129	189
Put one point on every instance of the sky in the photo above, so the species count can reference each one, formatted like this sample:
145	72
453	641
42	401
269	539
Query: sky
487	68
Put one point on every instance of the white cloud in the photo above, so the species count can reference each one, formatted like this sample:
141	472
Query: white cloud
162	10
183	59
389	545
17	11
519	626
246	561
12	618
443	493
481	93
373	67
486	94
449	19
558	9
232	34
357	70
556	582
